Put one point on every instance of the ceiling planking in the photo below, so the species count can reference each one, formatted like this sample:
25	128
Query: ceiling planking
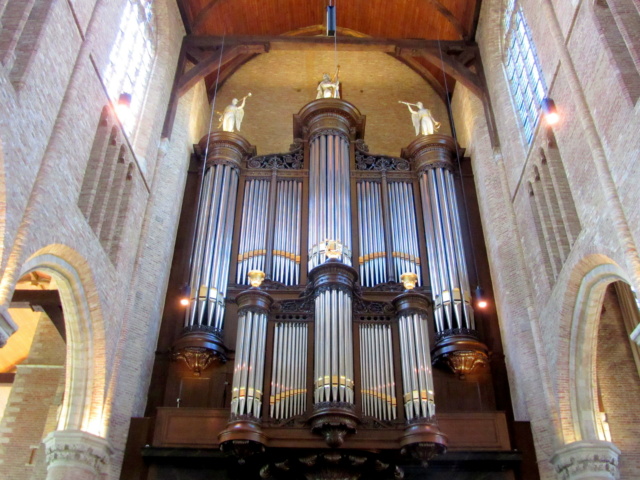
427	19
410	29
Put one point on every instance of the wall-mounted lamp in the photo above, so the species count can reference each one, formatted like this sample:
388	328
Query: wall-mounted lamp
123	107
549	111
185	293
331	20
481	301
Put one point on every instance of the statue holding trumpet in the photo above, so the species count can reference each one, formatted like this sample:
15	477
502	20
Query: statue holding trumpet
231	119
329	87
422	119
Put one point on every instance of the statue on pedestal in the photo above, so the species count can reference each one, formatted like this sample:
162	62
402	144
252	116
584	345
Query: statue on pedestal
329	87
422	119
231	119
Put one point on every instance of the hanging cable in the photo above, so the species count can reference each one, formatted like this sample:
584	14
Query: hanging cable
479	291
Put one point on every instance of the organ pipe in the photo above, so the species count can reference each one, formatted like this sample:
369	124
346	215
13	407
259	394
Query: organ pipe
252	250
201	339
417	377
377	372
404	231
457	343
289	369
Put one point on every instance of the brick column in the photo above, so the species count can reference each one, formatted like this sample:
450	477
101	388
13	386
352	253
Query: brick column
76	455
587	460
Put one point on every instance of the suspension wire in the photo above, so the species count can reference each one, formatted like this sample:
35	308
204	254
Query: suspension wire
335	35
204	163
455	137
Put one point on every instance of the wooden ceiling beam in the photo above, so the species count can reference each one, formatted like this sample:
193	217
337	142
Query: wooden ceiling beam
212	63
451	18
421	70
345	43
183	8
443	60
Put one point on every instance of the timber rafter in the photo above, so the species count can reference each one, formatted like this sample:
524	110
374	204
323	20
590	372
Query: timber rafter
458	59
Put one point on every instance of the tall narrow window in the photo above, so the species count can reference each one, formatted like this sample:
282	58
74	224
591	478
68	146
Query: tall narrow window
131	58
523	69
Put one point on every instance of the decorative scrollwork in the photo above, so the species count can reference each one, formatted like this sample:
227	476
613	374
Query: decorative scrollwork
366	161
362	306
456	331
292	160
305	304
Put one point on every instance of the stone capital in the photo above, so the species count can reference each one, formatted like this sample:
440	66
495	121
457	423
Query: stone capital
587	460
72	454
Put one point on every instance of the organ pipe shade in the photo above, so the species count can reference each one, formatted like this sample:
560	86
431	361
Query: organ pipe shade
329	198
252	249
378	386
404	229
212	249
447	267
373	253
417	378
248	373
286	244
289	370
333	347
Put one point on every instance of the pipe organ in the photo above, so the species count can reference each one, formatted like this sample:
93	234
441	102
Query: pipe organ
313	351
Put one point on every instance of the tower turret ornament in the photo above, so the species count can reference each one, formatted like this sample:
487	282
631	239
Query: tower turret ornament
329	87
231	119
423	121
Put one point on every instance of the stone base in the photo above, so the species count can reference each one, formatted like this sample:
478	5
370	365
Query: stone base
587	460
76	455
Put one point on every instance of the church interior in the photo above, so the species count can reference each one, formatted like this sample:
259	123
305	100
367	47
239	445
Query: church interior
319	240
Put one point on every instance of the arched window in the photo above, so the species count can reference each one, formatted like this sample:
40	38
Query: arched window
523	69
131	58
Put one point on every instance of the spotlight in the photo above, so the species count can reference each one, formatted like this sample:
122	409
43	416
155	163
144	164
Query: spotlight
331	21
549	111
481	301
185	293
123	107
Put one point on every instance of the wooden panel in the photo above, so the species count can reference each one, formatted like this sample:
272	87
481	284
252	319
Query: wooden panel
189	427
199	428
475	431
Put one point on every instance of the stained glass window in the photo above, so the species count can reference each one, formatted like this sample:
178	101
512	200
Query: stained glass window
131	58
523	69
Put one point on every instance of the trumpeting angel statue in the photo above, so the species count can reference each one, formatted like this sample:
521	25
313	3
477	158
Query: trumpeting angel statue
329	87
422	119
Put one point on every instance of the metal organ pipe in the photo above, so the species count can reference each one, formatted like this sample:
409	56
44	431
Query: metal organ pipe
214	229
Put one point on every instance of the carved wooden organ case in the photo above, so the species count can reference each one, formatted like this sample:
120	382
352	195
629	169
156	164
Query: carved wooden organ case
330	352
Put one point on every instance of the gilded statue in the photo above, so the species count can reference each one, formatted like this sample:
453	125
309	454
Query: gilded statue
422	119
231	119
329	87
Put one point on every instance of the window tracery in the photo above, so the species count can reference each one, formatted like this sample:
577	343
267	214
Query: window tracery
131	58
522	68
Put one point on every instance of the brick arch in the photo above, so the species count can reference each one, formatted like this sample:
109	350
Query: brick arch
85	359
577	382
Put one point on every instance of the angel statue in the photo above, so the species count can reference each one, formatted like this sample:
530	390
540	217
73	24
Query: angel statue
422	119
232	115
329	87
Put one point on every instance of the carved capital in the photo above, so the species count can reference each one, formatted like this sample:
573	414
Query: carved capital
432	151
463	353
331	115
226	148
587	460
199	346
75	451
